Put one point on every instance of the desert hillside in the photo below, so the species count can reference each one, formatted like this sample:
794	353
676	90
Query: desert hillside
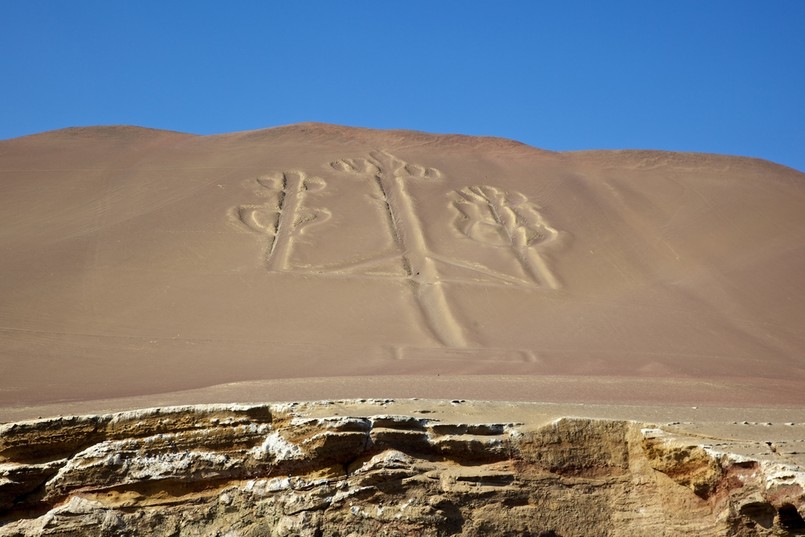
138	262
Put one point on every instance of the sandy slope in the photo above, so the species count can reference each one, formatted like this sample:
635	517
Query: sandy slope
136	262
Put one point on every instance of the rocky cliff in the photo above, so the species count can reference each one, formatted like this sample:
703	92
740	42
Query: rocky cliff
307	469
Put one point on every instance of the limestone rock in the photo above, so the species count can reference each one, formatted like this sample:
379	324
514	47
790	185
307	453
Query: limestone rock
270	470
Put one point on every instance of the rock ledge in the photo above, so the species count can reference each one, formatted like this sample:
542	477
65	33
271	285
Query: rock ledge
297	469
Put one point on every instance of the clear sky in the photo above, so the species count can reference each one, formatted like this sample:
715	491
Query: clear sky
720	76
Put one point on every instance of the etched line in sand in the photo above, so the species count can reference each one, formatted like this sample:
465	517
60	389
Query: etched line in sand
284	216
466	354
391	174
507	220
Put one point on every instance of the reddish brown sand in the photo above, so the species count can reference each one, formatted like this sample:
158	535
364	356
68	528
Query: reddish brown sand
314	261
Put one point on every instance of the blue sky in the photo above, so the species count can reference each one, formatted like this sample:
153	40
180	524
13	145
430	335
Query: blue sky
690	75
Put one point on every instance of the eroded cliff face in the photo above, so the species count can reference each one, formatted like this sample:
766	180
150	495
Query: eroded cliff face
295	469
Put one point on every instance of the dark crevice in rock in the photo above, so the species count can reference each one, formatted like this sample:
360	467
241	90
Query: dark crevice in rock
761	513
790	518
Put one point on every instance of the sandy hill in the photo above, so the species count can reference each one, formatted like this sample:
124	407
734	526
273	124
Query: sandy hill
137	262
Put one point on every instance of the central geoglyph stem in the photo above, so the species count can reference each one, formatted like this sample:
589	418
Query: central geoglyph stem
391	176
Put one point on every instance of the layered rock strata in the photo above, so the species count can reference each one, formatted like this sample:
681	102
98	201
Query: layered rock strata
297	469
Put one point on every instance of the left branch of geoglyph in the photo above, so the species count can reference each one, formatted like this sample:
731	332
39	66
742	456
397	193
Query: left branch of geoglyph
284	215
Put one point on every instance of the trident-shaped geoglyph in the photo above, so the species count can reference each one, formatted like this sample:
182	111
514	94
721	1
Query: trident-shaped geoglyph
491	217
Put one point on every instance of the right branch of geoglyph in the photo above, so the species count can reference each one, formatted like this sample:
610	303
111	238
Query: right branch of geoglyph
492	216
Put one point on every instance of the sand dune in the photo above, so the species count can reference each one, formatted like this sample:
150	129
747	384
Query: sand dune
138	262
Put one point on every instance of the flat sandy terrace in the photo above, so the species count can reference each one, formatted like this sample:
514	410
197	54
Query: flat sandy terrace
734	417
646	399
